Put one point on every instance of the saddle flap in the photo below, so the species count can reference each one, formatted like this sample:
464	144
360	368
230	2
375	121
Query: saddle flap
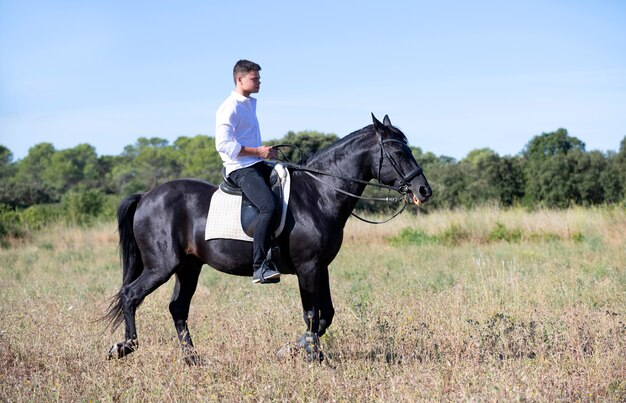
229	198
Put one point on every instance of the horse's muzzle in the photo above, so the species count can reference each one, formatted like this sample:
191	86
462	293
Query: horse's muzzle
422	195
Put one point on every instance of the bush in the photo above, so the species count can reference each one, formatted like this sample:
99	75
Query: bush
109	207
10	223
38	216
83	207
453	235
410	236
501	233
578	236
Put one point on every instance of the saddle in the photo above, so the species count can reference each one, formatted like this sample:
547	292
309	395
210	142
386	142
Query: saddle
224	222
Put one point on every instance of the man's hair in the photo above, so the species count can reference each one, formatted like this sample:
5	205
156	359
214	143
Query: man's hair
244	66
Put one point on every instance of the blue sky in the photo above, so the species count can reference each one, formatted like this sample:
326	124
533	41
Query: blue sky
453	75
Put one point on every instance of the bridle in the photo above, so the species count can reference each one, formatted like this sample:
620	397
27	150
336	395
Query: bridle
405	181
402	189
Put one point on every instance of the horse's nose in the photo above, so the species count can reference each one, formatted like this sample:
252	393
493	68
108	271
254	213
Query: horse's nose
425	192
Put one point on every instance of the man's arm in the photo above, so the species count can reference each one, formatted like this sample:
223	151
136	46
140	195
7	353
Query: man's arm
263	152
225	122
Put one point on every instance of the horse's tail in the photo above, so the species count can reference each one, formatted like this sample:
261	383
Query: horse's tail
132	264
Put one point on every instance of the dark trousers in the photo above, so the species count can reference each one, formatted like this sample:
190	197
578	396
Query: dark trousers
254	182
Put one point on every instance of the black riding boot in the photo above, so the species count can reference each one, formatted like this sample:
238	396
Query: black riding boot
267	273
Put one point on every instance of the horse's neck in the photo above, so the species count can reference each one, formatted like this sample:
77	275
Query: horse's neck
352	160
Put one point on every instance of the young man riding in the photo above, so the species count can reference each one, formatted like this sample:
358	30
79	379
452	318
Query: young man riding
238	141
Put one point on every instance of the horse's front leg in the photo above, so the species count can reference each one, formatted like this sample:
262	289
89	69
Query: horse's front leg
327	311
309	293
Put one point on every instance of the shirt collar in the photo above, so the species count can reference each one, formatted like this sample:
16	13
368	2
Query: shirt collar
241	98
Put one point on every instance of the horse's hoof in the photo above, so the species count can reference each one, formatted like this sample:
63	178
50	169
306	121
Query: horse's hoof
120	350
314	355
114	351
310	343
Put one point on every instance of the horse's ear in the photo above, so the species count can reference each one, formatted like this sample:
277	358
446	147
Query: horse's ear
387	121
377	125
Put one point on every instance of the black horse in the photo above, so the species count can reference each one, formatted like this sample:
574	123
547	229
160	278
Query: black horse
162	232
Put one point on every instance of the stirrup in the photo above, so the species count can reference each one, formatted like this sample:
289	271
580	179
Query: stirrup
266	274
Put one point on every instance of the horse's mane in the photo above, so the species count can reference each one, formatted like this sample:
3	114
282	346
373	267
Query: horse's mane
340	144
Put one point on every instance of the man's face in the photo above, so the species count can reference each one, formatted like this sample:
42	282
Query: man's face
250	82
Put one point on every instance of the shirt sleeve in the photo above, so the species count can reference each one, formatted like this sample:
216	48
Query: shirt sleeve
225	124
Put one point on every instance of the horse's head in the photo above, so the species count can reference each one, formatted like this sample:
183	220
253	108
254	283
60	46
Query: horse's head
396	166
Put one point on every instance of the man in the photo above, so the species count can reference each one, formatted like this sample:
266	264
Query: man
238	141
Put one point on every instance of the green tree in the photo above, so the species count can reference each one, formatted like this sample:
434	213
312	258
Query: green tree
7	168
589	170
480	156
445	178
198	158
7	173
481	174
424	159
156	165
511	180
550	144
104	172
29	185
610	179
123	173
148	163
550	174
73	168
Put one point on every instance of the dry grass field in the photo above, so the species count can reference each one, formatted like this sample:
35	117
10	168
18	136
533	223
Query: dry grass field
466	305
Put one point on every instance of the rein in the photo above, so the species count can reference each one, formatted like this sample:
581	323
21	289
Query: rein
386	199
403	189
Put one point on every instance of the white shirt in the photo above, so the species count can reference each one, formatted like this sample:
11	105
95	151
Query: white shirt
236	125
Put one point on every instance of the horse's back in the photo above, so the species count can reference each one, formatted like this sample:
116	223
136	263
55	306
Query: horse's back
180	189
174	206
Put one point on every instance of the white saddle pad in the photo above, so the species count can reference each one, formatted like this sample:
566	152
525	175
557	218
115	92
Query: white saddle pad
224	218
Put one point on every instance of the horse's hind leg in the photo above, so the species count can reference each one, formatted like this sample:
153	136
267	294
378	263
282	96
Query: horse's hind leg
186	282
130	297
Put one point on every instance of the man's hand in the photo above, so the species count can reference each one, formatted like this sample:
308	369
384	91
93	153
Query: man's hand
265	152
